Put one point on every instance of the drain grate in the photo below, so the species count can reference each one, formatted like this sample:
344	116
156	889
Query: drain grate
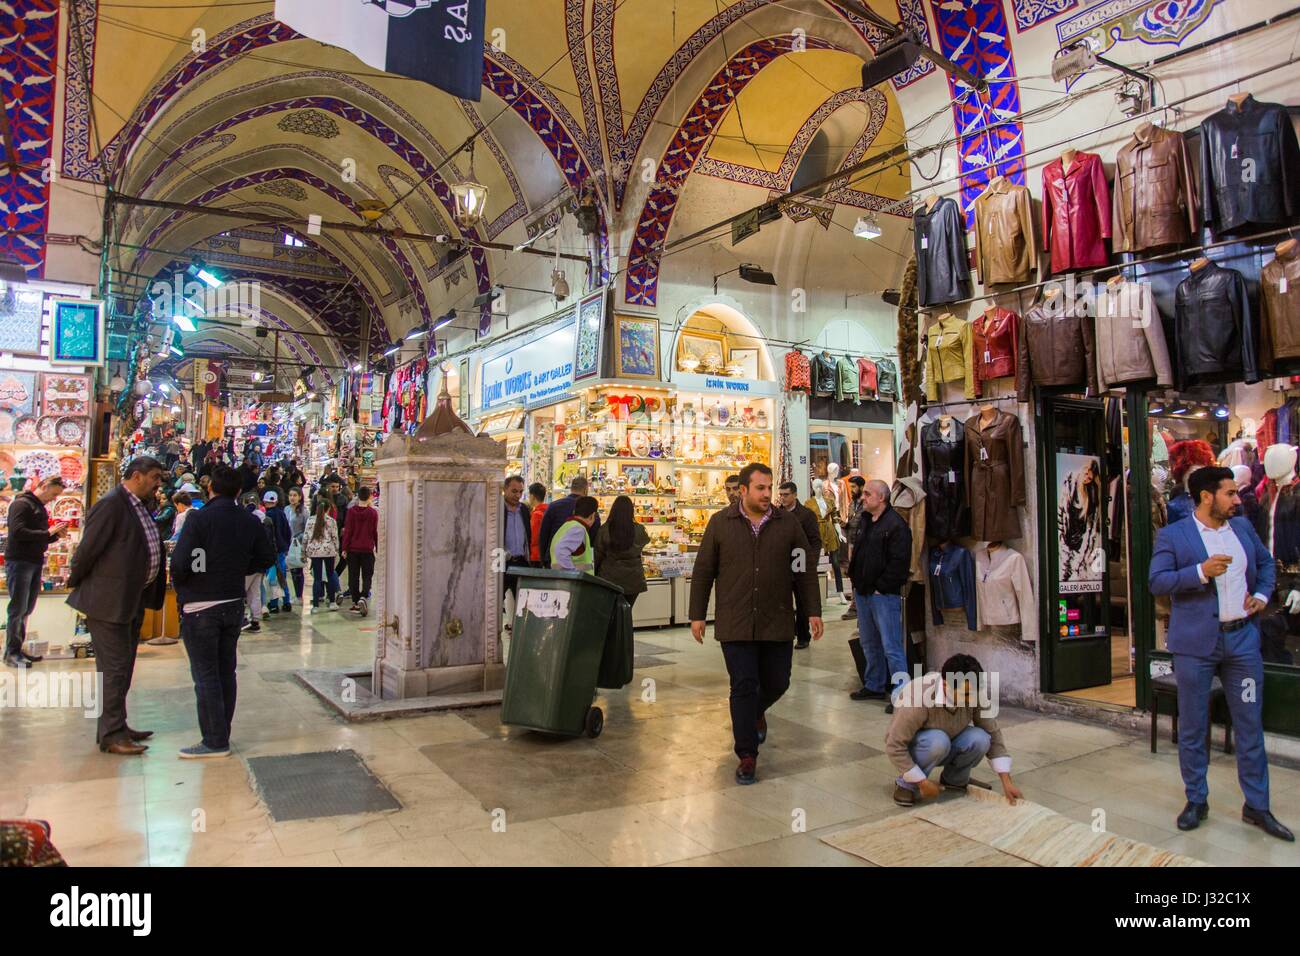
326	784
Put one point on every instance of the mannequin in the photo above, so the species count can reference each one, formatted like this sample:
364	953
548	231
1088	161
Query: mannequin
1279	465
1199	264
1238	98
931	201
1068	156
1287	248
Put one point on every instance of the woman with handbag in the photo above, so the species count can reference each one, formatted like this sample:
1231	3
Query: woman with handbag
321	547
295	561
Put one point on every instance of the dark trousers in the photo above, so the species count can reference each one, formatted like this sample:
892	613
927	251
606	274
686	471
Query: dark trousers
23	579
296	575
361	570
760	674
211	637
115	646
323	578
511	583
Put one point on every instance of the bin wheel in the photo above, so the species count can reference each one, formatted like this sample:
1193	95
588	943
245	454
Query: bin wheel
595	721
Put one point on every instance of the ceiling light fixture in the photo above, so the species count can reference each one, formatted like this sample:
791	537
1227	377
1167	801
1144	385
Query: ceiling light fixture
750	273
867	227
393	349
484	298
445	320
419	332
470	197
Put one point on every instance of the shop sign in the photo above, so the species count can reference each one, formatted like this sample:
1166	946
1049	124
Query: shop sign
532	373
692	381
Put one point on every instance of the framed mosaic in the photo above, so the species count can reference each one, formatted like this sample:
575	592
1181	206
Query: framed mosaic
17	395
638	347
589	337
22	315
76	332
64	395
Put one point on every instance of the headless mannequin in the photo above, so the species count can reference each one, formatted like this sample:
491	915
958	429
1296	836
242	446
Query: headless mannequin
1200	264
988	415
1280	465
1068	156
931	201
1238	98
1287	248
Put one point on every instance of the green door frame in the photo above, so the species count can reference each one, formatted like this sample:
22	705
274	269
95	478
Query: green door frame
1141	540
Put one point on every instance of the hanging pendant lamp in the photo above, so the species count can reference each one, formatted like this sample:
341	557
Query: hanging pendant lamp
470	197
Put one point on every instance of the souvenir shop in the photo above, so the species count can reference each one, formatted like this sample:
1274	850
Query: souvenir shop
51	340
1158	332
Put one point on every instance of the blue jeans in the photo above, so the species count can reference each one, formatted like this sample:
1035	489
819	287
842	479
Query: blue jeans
211	637
958	756
282	577
23	579
880	629
1236	659
323	579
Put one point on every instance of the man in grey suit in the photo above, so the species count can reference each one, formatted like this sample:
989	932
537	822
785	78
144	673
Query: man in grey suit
116	572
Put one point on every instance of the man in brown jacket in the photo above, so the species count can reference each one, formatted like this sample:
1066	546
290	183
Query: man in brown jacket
759	556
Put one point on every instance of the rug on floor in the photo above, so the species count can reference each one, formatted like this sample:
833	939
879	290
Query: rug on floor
983	829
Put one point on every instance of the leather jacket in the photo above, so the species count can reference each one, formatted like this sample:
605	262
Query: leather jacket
939	238
1214	336
1004	233
1279	325
1056	349
995	332
1250	167
825	377
1076	213
1131	343
1155	197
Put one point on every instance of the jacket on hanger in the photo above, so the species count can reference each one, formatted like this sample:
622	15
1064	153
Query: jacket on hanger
948	348
798	372
907	497
1056	349
1076	213
952	583
1155	195
994	340
846	380
1279	299
943	466
995	476
939	237
886	379
1004	233
824	375
1250	167
866	378
1004	594
1214	336
1131	343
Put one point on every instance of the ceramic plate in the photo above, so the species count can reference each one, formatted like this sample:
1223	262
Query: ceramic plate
47	428
72	470
27	431
38	465
70	431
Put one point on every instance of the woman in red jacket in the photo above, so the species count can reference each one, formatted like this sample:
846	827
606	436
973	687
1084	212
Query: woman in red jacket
537	508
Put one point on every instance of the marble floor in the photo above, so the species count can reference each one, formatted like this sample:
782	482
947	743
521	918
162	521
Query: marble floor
655	789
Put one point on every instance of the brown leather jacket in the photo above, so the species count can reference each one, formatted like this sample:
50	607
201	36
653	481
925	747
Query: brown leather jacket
1056	348
1004	233
1279	293
1155	197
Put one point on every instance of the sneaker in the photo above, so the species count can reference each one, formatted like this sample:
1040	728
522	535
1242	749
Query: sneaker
745	773
355	606
363	607
252	627
904	797
272	610
312	609
202	752
762	729
266	613
334	605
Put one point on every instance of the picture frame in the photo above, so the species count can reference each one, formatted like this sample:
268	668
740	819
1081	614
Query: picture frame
76	332
22	320
589	337
638	347
638	474
464	388
708	350
747	359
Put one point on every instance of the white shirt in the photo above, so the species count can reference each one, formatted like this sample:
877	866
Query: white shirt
1231	584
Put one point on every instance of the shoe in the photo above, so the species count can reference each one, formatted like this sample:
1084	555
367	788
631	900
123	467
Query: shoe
889	708
863	694
363	607
123	748
271	610
312	609
1266	822
266	612
850	615
762	729
354	606
334	605
904	797
17	660
253	627
959	787
31	658
1193	814
801	645
139	734
201	752
745	773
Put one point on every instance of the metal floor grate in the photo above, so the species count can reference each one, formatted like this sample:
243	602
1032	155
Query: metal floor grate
326	784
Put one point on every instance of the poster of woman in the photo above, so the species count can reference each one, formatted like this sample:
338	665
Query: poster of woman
1078	520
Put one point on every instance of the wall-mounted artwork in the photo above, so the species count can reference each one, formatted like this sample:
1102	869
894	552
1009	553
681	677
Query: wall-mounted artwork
704	352
464	388
22	314
638	347
77	332
589	336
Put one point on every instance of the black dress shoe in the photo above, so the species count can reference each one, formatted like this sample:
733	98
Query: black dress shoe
1266	822
863	694
801	645
17	660
1192	815
139	734
746	772
32	658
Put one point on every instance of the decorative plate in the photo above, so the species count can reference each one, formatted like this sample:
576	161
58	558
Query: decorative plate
27	431
67	508
6	427
47	427
39	465
638	442
70	431
72	470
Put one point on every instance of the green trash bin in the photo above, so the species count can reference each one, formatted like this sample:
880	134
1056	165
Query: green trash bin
562	620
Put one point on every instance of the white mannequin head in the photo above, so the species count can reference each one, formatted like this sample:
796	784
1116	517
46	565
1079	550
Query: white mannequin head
1279	461
1241	474
833	471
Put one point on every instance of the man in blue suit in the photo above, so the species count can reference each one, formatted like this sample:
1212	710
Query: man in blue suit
1220	577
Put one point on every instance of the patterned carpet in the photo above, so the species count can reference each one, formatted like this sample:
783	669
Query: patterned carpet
983	829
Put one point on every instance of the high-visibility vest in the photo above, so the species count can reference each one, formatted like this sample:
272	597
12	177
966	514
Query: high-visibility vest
583	560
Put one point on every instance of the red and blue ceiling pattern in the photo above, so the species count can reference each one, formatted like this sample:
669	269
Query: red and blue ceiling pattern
29	52
974	35
642	283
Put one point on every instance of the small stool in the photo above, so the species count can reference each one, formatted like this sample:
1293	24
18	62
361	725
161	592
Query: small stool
1166	686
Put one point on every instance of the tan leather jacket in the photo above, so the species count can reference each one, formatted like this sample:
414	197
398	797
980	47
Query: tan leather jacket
1155	197
1279	293
1131	343
1004	233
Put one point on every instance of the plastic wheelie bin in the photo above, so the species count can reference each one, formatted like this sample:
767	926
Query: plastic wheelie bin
562	621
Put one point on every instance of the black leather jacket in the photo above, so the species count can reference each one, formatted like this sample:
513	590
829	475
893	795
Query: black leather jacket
1250	167
939	238
1214	334
823	375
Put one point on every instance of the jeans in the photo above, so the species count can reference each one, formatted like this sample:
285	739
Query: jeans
1239	664
361	570
880	629
23	579
323	579
281	575
760	674
958	756
211	637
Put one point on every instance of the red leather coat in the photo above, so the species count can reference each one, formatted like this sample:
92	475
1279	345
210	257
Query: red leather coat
1076	213
994	345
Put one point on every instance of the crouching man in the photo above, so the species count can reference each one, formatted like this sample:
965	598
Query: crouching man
939	722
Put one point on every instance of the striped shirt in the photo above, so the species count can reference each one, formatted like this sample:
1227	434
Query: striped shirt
150	535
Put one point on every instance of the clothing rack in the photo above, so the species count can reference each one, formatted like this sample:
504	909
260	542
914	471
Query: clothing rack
928	406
